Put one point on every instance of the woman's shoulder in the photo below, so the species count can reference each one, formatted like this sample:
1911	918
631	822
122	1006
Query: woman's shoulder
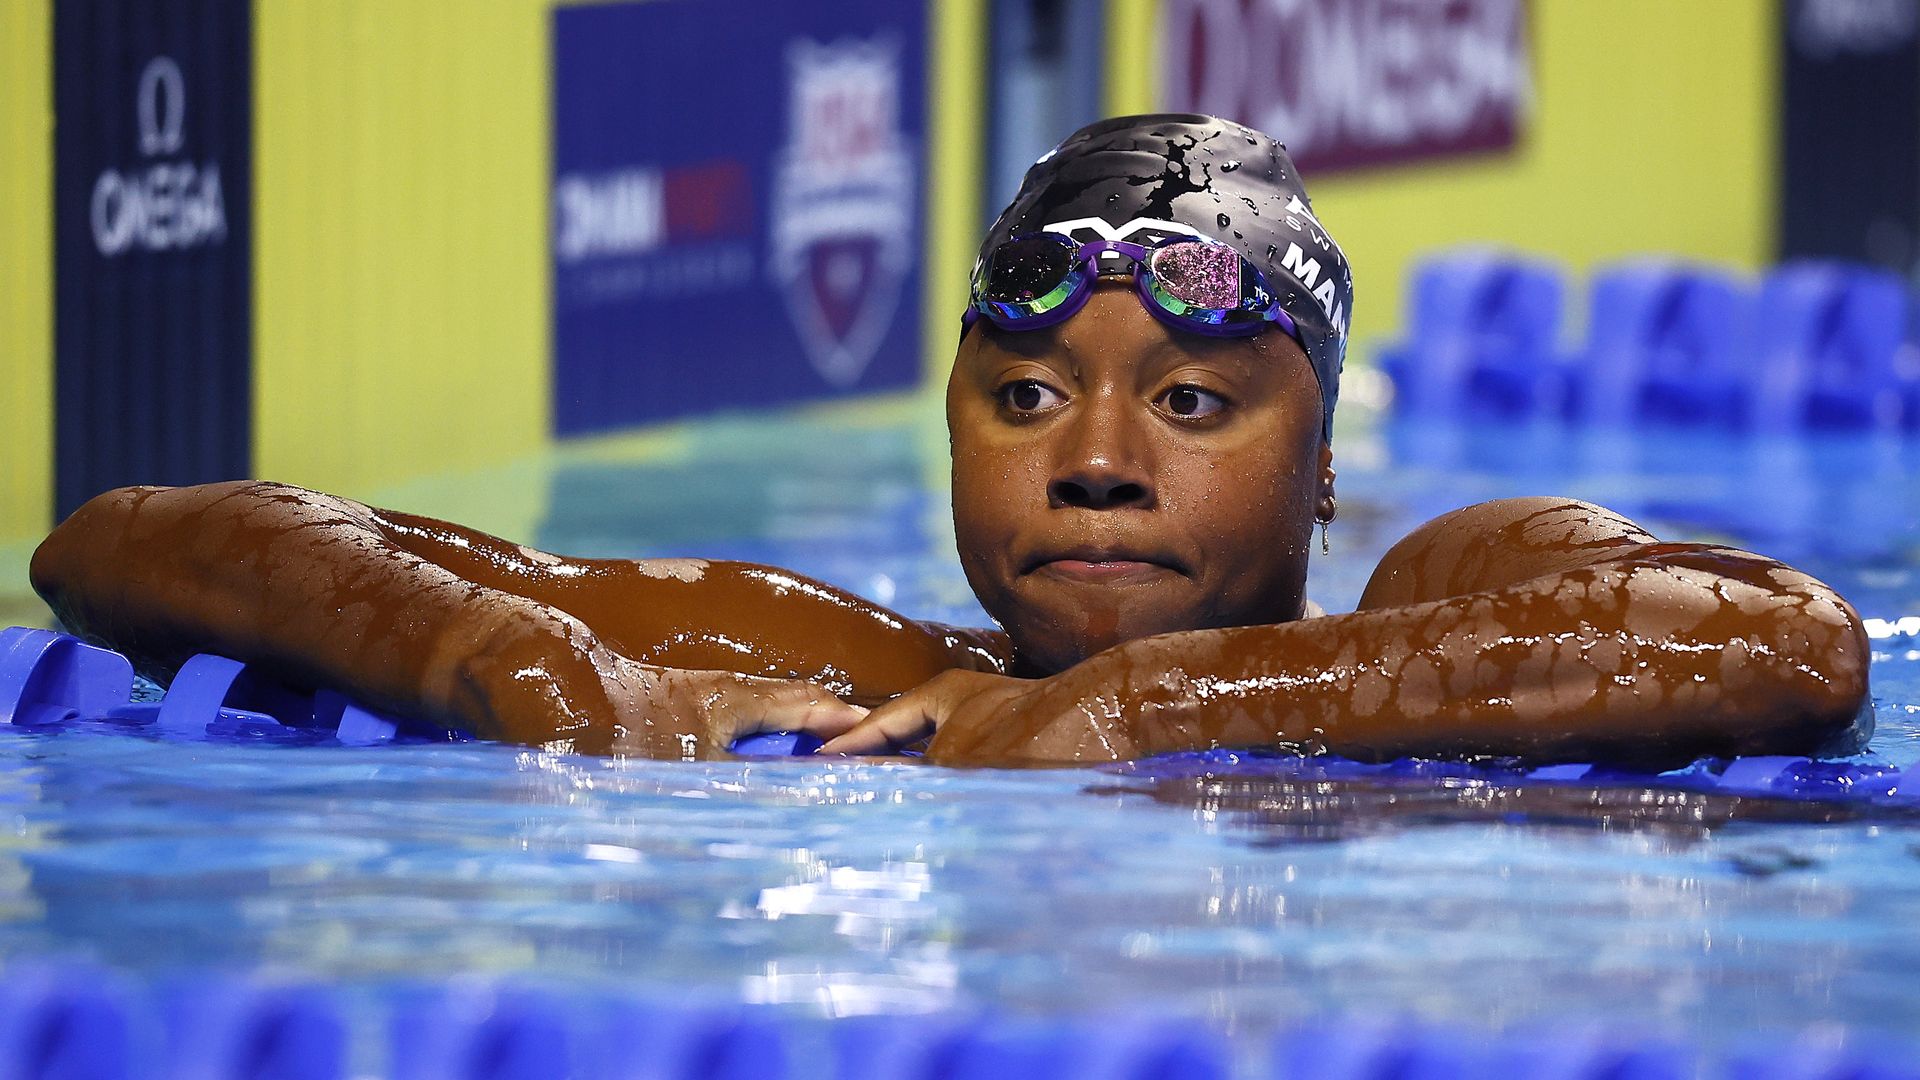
1497	542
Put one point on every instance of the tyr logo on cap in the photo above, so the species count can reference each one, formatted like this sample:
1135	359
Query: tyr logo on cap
1144	231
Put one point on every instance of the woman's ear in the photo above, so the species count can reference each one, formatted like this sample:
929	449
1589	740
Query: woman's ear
1327	507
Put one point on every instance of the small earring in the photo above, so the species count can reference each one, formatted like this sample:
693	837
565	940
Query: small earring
1325	548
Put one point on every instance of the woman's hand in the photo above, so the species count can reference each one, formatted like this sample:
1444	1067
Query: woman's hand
977	718
684	715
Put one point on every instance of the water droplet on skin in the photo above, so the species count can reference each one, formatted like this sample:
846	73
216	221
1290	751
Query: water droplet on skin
1224	220
1229	166
1237	236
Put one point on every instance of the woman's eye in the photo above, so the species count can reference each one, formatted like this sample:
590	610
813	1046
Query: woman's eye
1192	402
1028	395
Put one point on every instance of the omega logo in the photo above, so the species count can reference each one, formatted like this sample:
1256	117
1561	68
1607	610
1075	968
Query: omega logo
162	205
1354	82
161	84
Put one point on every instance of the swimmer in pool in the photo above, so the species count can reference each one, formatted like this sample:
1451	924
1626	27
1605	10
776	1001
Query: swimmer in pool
1141	415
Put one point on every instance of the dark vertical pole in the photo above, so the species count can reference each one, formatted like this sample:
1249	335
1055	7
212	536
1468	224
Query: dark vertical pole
1850	132
1044	61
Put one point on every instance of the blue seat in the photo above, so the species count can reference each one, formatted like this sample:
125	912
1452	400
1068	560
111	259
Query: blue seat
1831	338
1481	339
1666	342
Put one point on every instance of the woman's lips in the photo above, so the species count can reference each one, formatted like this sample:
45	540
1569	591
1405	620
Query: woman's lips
1102	571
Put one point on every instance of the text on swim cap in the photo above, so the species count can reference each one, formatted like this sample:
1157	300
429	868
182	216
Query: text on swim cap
1307	270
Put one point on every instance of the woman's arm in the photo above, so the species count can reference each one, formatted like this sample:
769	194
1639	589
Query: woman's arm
465	629
1541	628
713	615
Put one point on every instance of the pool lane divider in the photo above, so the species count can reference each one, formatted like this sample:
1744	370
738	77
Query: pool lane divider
49	679
78	1021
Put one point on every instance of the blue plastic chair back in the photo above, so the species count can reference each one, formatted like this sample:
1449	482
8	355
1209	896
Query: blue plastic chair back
1482	335
1513	369
1666	342
1831	337
1450	291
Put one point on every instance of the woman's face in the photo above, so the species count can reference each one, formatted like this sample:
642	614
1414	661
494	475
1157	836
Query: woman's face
1114	478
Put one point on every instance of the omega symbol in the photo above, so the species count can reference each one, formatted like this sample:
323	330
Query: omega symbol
162	105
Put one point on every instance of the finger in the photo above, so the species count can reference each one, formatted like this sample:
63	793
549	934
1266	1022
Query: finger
898	723
755	705
827	718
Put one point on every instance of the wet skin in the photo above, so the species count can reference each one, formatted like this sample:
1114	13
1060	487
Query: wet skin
660	658
1132	504
1546	628
1115	479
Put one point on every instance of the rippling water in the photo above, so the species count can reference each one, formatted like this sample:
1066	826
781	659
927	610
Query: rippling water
844	888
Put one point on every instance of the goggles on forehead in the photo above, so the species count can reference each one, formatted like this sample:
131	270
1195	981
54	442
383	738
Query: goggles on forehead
1190	283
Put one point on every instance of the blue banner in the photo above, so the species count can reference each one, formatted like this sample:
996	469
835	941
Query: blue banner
737	205
153	164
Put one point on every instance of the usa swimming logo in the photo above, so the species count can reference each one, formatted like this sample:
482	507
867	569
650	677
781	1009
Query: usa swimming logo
843	227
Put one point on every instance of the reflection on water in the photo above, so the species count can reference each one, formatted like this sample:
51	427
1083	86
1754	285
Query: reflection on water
1280	810
839	889
879	911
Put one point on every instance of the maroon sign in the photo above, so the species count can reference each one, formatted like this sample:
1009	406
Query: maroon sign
1347	83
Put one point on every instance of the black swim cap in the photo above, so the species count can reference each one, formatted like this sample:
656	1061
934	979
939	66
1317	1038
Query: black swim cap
1118	178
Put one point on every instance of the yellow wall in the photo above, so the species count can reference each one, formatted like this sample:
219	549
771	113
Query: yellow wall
1652	130
956	55
26	277
400	283
1131	86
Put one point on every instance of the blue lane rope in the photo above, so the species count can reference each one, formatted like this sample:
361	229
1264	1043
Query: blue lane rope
49	679
75	1020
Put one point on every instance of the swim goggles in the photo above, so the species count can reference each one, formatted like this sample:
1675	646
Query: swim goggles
1190	283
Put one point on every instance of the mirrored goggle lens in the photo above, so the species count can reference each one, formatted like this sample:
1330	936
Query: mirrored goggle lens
1197	274
1026	270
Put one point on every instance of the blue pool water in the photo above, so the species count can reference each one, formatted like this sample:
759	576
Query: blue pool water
848	888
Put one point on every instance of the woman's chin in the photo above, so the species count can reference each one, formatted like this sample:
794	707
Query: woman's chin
1050	652
1045	646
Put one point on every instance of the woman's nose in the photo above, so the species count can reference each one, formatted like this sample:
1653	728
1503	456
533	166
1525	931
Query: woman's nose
1098	491
1101	468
